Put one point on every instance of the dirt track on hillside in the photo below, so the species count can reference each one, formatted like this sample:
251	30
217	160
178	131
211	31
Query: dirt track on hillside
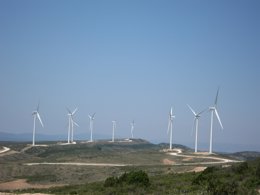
80	164
191	157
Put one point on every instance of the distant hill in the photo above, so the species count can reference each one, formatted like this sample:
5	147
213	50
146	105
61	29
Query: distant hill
245	155
25	137
28	137
166	145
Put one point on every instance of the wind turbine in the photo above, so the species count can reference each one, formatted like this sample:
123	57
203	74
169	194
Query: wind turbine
36	115
213	109
113	133
196	123
71	125
91	122
170	121
132	128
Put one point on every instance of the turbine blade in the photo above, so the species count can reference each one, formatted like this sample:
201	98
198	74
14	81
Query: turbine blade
68	110
89	117
216	112
75	123
74	111
216	100
202	111
93	115
39	118
191	110
38	106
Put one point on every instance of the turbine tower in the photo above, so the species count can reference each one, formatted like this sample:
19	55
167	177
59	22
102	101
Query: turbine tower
71	125
36	115
196	124
91	122
213	109
170	122
132	128
113	132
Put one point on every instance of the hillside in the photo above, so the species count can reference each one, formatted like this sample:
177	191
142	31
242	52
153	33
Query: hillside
242	178
245	155
52	163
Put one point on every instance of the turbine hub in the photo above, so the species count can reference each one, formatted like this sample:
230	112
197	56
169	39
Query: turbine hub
212	108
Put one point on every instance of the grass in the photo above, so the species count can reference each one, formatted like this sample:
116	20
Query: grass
164	184
242	178
164	179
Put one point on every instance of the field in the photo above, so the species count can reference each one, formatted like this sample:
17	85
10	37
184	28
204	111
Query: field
84	166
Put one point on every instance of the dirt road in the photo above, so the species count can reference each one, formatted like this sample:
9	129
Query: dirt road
5	149
80	164
220	160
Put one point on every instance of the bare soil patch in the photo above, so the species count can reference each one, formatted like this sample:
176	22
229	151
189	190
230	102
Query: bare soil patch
166	161
188	159
20	184
10	152
198	169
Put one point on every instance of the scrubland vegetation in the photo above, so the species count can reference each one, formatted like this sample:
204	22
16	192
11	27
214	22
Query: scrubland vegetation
242	178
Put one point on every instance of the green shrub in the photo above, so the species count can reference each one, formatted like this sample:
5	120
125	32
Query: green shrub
241	168
204	176
228	188
73	192
138	178
111	182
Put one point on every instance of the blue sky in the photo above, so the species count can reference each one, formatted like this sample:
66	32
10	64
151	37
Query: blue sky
130	60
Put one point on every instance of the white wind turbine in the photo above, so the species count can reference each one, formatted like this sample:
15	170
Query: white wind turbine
36	115
113	132
213	109
71	125
91	122
170	122
132	128
196	124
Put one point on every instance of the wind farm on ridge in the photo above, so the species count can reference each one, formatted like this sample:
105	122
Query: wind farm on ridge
71	125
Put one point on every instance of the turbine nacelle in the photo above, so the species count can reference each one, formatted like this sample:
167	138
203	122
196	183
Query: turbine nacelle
34	113
92	117
212	108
